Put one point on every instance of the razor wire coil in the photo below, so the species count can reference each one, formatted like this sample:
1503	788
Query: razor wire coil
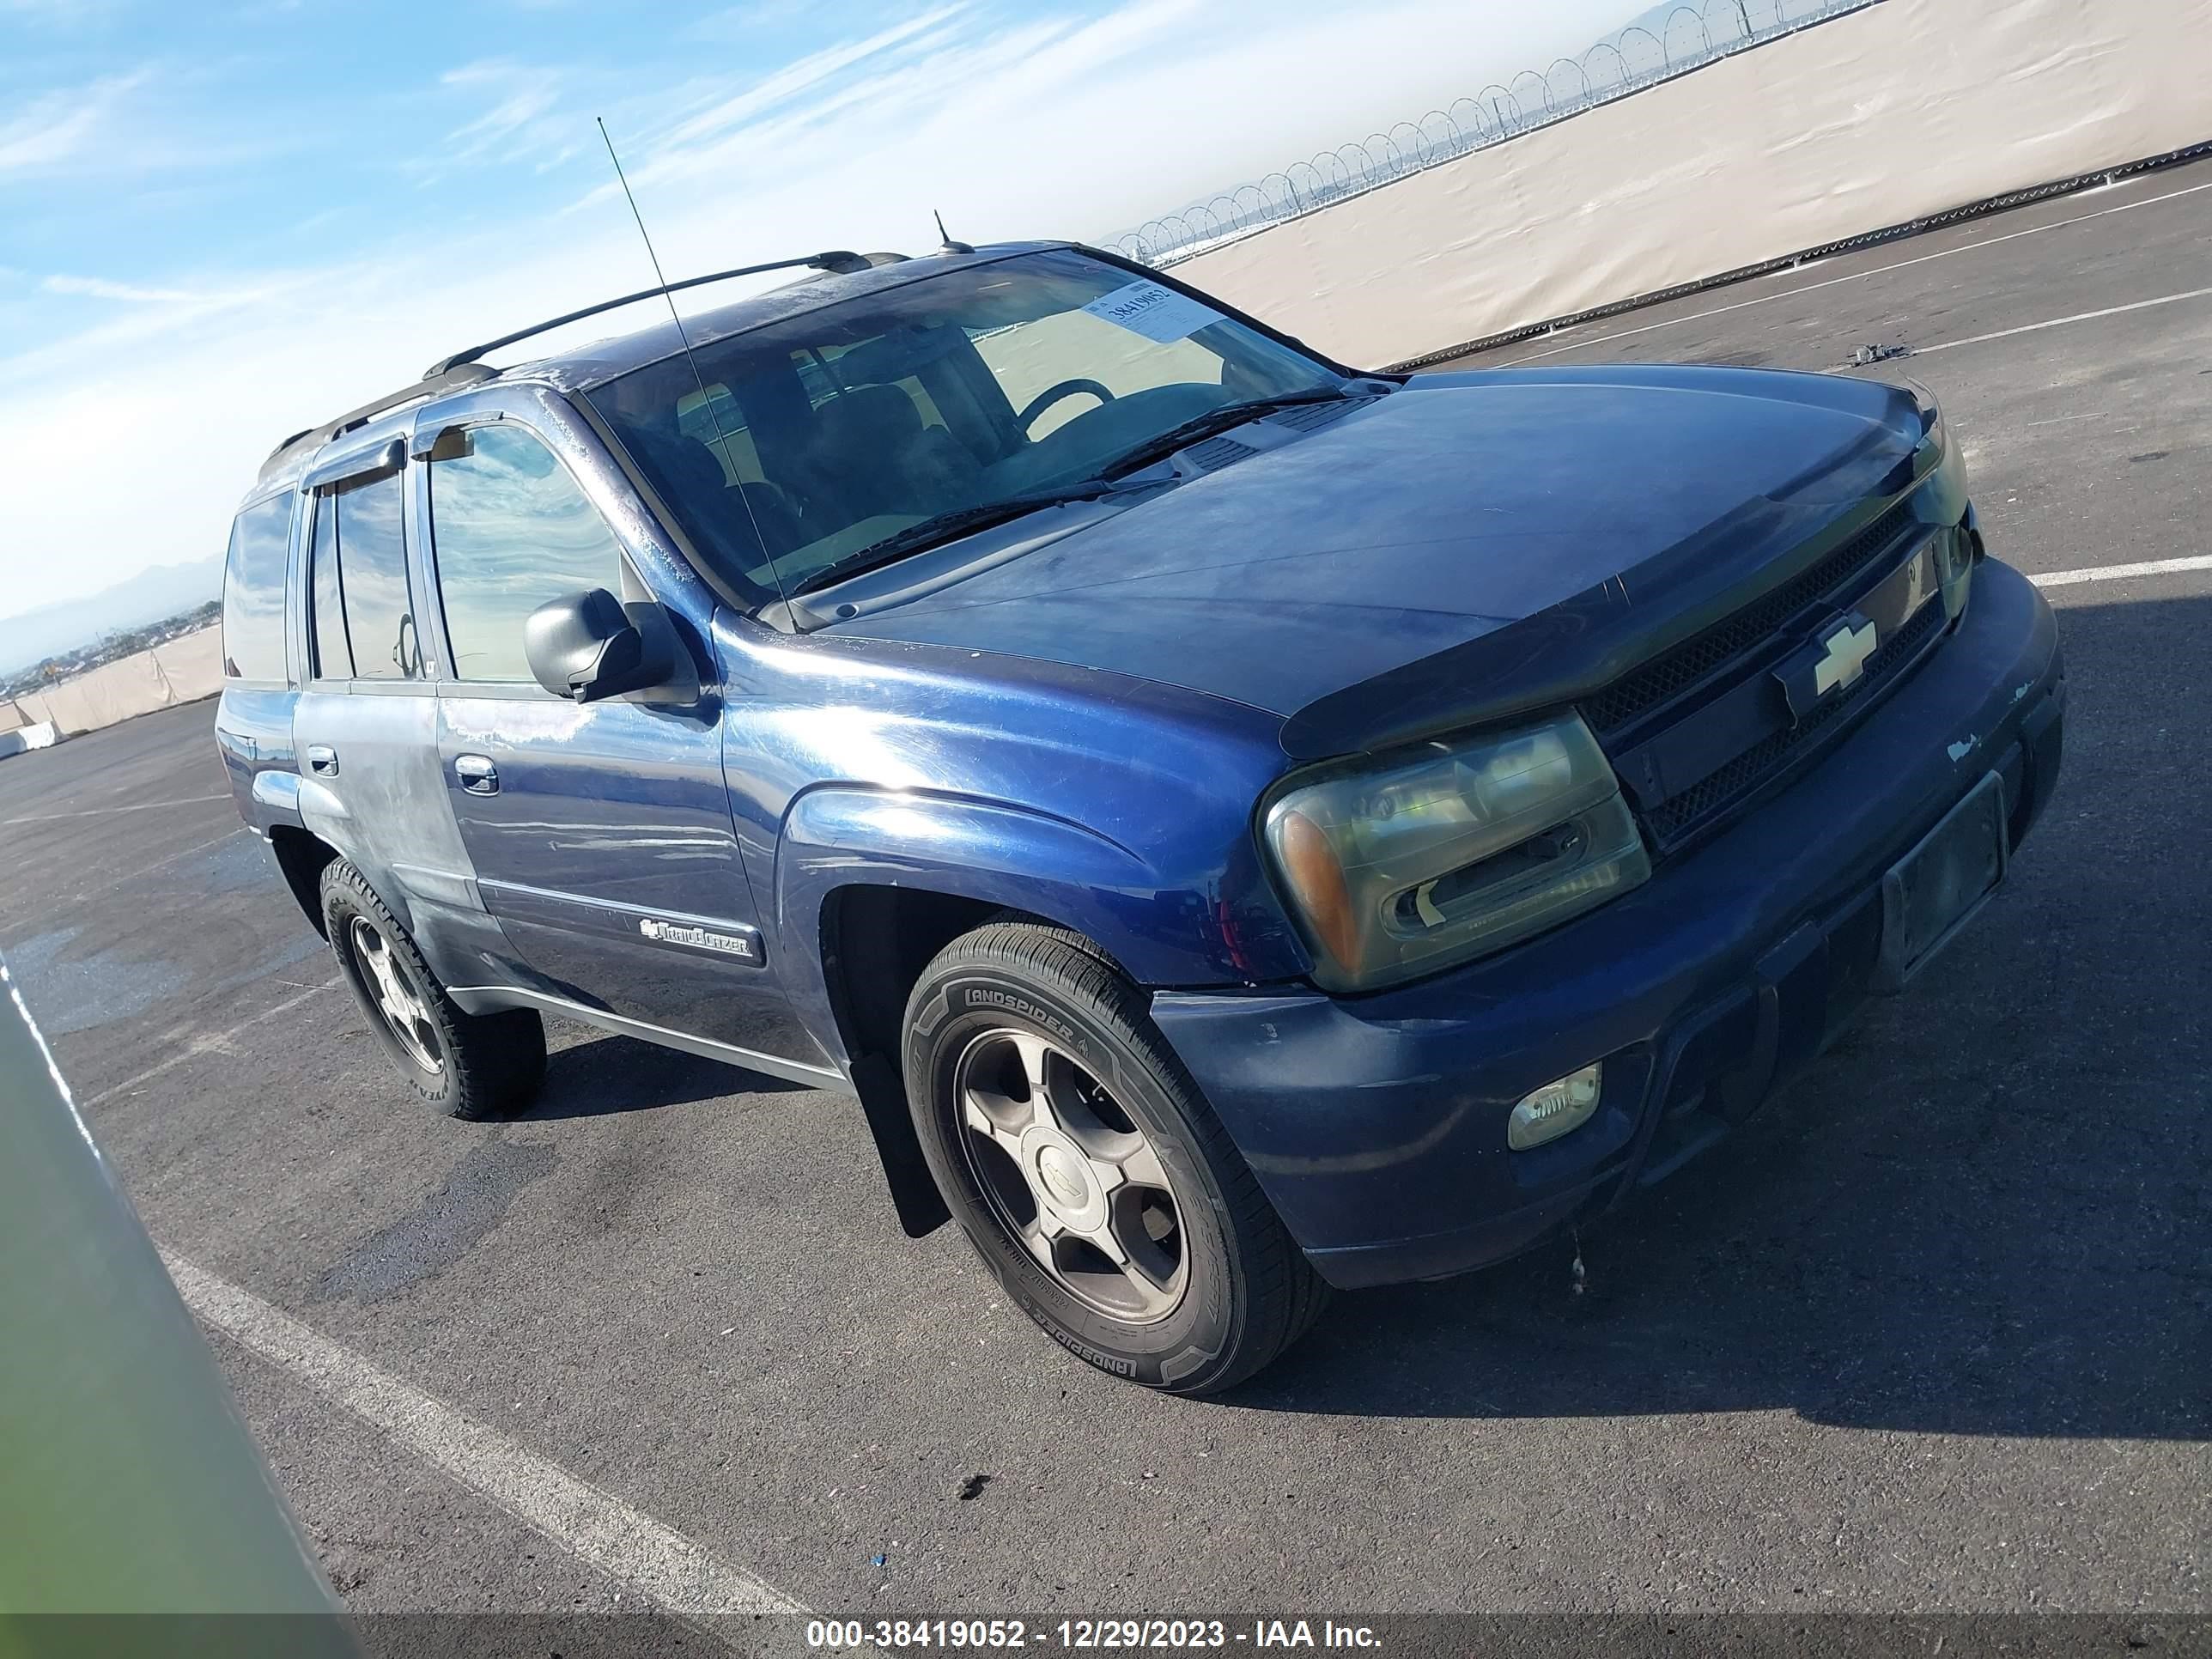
1691	36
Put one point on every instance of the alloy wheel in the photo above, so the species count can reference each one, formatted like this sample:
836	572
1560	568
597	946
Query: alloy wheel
391	988
1070	1175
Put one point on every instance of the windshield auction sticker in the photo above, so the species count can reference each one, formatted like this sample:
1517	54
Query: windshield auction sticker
1158	313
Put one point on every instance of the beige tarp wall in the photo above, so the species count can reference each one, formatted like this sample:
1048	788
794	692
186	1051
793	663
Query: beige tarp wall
1889	114
181	669
114	691
191	664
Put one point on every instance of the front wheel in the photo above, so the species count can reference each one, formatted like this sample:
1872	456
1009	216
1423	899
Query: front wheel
1088	1171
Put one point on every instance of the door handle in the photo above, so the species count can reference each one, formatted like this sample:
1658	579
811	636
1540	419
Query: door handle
322	760
477	776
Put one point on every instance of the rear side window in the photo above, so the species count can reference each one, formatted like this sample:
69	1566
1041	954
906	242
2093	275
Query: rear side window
333	651
380	619
511	529
254	591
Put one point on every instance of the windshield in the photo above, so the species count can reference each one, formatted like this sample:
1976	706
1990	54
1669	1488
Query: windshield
830	433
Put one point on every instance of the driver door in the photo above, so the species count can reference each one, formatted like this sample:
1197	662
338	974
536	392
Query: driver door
600	833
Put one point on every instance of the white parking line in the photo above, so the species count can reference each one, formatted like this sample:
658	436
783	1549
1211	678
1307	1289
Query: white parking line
2113	572
599	1528
219	1043
168	859
2061	322
1849	276
132	806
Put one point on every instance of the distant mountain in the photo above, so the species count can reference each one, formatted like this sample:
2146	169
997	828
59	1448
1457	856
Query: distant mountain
148	597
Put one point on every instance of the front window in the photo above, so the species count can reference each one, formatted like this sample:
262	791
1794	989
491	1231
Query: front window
511	529
814	440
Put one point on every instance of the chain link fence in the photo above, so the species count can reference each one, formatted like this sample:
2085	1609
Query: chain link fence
1691	36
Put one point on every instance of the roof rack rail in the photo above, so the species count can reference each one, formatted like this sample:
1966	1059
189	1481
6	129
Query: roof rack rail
838	261
453	379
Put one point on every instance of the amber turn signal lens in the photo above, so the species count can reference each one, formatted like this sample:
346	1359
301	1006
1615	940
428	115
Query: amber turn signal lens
1310	864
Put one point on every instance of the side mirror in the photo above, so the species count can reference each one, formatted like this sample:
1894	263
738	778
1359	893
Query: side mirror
586	647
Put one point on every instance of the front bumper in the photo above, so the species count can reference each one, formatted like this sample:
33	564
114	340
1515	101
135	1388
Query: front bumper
1377	1125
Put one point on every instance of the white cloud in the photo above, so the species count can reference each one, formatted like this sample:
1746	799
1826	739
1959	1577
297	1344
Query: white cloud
98	288
735	24
61	126
798	76
55	11
527	93
519	122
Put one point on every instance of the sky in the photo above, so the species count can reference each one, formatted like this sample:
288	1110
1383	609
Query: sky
224	220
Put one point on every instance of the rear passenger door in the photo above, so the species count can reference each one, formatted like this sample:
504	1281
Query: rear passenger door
366	724
600	833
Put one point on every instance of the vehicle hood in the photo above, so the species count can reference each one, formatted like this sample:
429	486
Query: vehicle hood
1449	511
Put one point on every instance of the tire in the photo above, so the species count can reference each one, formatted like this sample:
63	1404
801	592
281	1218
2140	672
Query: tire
1125	1157
467	1066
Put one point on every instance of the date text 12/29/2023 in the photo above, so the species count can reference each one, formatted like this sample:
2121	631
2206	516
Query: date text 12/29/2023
1079	1634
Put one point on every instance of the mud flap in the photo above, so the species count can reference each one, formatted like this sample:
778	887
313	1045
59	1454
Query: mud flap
882	1091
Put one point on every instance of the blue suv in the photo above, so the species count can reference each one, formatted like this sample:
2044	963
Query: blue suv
1239	825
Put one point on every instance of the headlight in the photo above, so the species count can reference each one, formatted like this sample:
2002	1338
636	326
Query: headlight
1942	500
1460	849
1943	491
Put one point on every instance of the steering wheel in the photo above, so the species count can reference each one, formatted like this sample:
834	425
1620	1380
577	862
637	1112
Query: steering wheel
1052	394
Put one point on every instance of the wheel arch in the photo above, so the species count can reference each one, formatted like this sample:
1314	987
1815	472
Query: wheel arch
988	854
301	857
870	886
876	939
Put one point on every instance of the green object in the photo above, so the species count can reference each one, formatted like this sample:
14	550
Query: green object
129	1485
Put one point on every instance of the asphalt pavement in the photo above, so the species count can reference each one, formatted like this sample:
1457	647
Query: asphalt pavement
1931	1335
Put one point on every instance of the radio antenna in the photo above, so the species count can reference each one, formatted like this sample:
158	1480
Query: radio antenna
947	245
683	335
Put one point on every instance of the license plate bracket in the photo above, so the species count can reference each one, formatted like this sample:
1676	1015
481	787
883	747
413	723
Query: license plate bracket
1939	886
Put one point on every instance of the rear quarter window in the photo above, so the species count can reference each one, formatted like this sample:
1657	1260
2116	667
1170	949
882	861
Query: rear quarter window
254	591
326	631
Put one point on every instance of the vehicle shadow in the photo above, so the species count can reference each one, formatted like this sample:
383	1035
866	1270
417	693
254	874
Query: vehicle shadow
606	1074
1986	1212
1948	1253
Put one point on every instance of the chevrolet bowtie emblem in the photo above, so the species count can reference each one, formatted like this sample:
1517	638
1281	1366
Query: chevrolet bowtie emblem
1843	655
1833	662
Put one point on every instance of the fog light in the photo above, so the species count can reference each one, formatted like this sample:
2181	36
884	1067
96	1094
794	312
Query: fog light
1554	1109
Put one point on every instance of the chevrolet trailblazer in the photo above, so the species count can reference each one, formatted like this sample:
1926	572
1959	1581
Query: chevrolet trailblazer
1238	824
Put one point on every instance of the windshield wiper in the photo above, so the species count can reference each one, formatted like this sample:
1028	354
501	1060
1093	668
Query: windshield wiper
944	527
1219	418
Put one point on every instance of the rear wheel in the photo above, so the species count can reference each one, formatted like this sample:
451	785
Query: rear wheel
1089	1173
468	1065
